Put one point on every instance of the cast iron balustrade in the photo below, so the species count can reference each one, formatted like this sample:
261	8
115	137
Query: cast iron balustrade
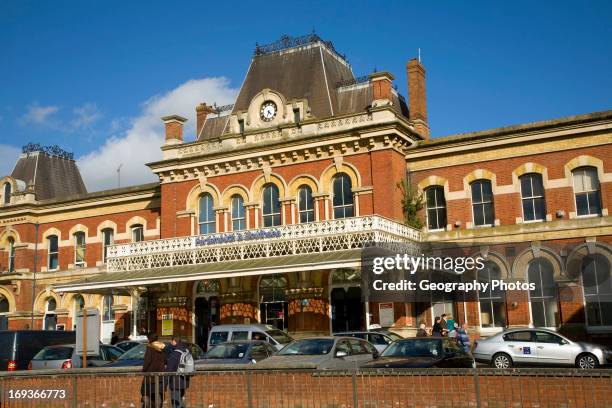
295	239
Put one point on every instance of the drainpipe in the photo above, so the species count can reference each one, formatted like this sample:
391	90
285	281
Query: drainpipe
34	278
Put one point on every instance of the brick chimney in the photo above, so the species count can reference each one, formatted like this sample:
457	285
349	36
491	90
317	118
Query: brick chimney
174	129
417	103
382	84
202	111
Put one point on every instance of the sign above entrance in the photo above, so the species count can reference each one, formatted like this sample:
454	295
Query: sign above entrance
237	237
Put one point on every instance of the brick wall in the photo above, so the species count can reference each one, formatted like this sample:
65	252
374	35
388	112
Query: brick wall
293	389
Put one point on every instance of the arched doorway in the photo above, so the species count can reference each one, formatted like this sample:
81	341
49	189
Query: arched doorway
206	310
273	305
347	308
4	309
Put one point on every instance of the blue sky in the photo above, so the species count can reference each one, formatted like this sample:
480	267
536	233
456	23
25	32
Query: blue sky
95	76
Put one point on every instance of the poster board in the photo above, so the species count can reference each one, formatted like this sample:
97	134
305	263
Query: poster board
167	325
386	315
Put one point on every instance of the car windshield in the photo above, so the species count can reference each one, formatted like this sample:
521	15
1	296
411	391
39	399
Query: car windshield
280	336
54	353
414	348
394	336
233	351
126	345
308	347
134	353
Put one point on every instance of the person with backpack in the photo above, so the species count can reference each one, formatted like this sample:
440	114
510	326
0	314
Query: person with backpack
179	361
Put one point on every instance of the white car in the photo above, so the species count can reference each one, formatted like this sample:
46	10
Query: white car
538	347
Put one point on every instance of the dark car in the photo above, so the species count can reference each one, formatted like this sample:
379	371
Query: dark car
423	353
238	352
128	344
19	346
134	357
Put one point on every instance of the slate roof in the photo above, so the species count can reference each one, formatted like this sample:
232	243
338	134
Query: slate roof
52	176
311	70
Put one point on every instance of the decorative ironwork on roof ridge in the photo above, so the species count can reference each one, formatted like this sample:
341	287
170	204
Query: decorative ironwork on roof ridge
53	150
287	41
353	81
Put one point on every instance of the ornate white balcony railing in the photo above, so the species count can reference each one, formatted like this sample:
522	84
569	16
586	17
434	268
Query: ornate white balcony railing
314	237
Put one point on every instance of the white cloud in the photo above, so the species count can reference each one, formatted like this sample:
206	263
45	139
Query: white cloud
85	116
141	142
8	157
39	115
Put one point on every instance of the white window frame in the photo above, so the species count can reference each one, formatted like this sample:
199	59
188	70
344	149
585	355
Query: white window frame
436	207
81	263
533	198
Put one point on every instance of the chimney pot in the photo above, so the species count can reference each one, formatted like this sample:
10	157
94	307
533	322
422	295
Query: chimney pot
202	111
382	85
174	128
417	102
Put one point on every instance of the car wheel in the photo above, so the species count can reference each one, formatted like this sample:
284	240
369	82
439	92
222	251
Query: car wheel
587	362
501	360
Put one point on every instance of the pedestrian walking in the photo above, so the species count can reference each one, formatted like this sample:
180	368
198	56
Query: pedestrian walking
444	324
181	362
436	330
154	362
453	331
463	338
422	331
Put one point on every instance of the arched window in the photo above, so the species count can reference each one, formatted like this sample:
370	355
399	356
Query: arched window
7	193
4	309
532	196
544	307
107	308
107	240
137	233
586	189
343	196
53	253
79	303
436	208
492	303
482	203
50	317
271	212
305	204
11	255
79	249
238	213
597	290
206	220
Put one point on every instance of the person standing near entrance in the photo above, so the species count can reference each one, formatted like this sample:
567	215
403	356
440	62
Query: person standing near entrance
444	325
422	332
154	362
436	330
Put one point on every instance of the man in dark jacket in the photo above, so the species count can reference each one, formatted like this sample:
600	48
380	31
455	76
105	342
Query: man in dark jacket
154	362
176	383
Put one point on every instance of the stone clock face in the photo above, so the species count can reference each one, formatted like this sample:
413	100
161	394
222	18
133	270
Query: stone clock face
268	111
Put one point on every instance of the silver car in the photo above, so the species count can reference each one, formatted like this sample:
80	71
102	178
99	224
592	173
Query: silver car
323	353
65	357
378	339
538	347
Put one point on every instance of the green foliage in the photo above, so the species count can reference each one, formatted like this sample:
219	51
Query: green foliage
412	203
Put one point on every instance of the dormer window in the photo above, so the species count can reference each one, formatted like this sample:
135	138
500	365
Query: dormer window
7	193
241	126
296	115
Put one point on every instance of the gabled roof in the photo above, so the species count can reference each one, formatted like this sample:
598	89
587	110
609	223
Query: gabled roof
51	176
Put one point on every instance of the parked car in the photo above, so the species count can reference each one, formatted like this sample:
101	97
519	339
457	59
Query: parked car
538	347
134	357
423	353
323	353
19	346
378	339
238	352
224	333
128	344
64	356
